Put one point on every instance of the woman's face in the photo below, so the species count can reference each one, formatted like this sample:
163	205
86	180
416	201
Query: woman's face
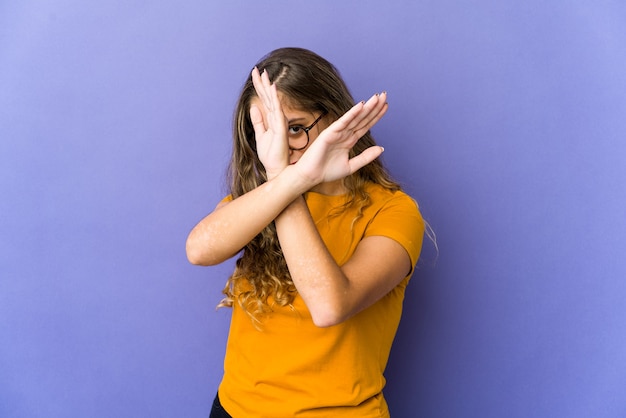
303	126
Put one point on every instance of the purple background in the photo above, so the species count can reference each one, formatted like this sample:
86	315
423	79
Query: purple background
507	122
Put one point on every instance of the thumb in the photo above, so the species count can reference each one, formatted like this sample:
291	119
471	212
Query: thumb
364	158
256	117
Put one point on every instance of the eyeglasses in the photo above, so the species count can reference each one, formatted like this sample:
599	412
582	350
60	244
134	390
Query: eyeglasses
299	135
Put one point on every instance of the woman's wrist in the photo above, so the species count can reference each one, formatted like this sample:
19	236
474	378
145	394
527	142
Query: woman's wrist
292	179
273	173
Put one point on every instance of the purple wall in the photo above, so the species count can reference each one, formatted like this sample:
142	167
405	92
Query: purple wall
507	123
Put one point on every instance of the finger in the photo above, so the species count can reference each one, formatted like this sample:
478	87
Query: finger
265	79
269	90
256	82
374	109
273	96
377	102
259	87
347	120
372	119
362	113
362	116
364	158
357	121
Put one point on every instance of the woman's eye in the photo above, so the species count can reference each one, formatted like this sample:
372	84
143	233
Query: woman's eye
295	130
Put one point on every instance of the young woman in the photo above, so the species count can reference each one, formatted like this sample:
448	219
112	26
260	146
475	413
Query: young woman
327	243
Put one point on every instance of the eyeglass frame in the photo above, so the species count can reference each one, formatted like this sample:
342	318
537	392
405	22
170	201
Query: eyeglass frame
306	131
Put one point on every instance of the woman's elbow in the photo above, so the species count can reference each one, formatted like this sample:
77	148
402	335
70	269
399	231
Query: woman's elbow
196	255
328	317
204	255
325	322
194	258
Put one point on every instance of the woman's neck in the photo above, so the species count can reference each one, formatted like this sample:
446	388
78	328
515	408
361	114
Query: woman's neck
333	188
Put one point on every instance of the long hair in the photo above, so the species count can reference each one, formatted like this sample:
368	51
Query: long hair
311	83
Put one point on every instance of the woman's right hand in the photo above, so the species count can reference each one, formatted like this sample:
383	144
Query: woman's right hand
270	132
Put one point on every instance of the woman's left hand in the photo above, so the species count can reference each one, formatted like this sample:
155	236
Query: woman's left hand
328	159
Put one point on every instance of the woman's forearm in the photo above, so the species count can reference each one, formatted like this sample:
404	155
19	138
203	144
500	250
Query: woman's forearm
334	293
319	280
231	226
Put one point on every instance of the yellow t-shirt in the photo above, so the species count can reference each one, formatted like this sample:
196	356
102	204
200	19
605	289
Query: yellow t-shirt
291	368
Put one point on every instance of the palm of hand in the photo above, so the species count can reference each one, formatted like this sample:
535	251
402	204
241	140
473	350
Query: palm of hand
327	158
271	142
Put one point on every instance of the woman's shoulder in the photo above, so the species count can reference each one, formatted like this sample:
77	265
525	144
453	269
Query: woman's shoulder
381	195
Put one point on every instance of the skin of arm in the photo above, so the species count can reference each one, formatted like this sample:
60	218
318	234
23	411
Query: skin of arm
332	293
225	231
231	226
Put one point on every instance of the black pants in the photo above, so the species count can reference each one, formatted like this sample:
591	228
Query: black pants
217	411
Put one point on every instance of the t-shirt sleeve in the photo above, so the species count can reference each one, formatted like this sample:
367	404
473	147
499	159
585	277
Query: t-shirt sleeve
400	219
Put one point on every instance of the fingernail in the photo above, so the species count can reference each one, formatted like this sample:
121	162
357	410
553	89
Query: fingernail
382	149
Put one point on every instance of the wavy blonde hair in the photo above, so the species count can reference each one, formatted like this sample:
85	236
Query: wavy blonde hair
310	83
